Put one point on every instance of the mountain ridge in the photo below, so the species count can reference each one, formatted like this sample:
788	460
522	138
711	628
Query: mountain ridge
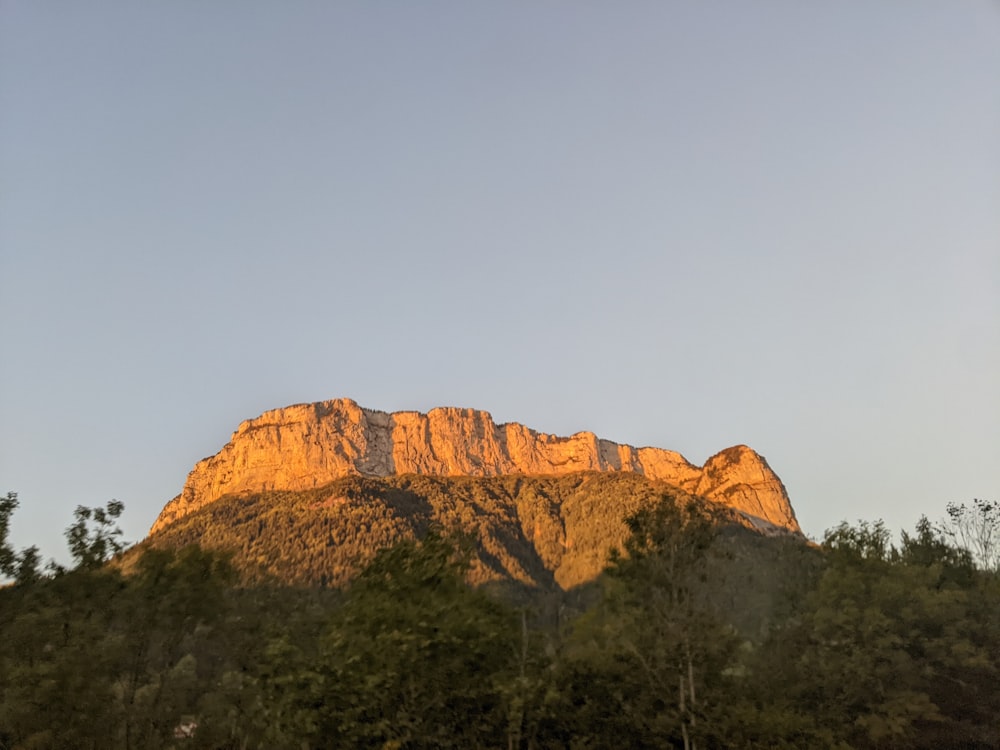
306	446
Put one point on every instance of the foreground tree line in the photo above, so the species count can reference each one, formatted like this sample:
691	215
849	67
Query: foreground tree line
875	645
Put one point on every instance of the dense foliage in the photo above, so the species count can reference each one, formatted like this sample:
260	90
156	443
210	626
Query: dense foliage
864	644
546	532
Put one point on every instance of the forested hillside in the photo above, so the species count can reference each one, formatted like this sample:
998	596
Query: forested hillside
548	532
865	643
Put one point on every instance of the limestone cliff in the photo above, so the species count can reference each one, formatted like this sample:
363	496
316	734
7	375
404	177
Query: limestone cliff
309	445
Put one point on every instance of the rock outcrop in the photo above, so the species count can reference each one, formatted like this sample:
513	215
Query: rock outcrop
309	445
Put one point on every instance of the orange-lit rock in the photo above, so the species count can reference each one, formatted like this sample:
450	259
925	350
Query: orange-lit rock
309	445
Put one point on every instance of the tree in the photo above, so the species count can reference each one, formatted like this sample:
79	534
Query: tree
648	664
57	655
28	567
22	566
96	658
163	618
894	646
928	546
415	657
7	557
976	528
94	538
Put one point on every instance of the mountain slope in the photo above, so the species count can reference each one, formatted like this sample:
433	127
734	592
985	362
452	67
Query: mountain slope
551	532
308	446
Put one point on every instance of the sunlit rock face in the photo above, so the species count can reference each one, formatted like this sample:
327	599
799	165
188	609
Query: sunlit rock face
308	445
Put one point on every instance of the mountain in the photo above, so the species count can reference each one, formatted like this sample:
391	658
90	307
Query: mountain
546	533
307	494
310	445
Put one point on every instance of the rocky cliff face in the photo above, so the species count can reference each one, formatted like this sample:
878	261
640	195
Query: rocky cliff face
309	445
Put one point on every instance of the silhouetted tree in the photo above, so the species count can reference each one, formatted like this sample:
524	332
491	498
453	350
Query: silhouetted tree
94	538
7	557
976	528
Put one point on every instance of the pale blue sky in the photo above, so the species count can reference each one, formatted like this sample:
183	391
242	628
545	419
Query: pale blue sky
681	224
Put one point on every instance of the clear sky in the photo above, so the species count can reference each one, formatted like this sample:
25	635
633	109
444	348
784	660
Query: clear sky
680	224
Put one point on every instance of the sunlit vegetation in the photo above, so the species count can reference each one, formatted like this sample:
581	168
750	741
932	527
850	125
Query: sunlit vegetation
550	532
698	634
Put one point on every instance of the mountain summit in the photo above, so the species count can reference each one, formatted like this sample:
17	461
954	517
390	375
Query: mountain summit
307	446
